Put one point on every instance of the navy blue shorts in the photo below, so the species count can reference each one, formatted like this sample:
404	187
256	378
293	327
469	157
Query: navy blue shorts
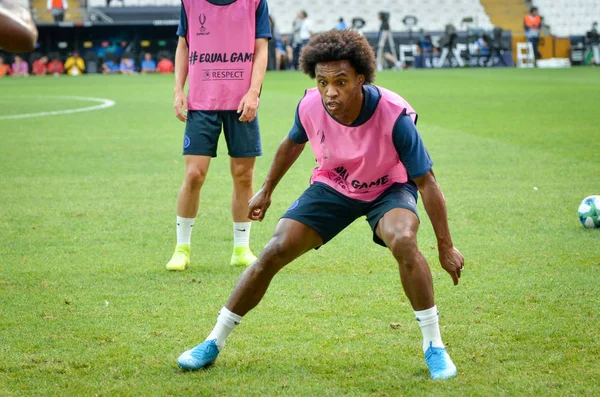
203	128
324	209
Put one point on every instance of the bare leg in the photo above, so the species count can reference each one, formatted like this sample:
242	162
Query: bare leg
196	168
290	240
242	172
398	229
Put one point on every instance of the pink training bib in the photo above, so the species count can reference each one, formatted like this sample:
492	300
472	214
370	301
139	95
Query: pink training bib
221	52
360	162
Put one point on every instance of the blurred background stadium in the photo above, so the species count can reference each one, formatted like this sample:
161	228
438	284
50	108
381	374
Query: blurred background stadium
479	31
90	168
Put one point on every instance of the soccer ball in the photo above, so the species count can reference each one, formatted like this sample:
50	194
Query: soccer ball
589	212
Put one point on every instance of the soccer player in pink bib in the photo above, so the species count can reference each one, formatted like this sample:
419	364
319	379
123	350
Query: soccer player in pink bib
371	162
222	52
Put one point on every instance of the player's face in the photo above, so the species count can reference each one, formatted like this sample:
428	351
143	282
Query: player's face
341	89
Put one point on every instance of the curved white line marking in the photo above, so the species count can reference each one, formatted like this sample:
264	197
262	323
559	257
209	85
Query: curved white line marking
104	103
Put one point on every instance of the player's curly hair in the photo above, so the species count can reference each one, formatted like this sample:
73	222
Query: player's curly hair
339	45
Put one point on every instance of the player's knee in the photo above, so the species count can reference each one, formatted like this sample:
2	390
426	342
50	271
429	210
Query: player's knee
403	244
242	175
277	252
194	177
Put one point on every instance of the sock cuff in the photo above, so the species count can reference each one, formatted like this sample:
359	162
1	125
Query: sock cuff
228	318
241	234
186	220
427	316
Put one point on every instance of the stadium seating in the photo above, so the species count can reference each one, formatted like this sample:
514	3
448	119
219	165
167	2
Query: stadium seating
432	15
569	17
506	14
565	17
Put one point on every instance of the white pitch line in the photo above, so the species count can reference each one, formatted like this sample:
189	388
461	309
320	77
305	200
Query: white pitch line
104	103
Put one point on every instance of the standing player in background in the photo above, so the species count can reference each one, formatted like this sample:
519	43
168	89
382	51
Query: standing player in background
223	50
371	162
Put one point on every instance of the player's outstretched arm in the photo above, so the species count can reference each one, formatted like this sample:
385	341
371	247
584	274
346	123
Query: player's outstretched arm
181	72
435	205
286	155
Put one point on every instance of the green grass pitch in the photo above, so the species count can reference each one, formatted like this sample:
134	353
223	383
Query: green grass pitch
87	211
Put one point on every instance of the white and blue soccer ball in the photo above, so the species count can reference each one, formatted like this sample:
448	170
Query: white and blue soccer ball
589	212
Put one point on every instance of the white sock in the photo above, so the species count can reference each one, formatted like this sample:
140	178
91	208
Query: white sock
241	234
428	321
184	229
226	322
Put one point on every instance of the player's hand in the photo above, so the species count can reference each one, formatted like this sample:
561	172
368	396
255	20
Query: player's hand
180	105
258	205
453	262
248	106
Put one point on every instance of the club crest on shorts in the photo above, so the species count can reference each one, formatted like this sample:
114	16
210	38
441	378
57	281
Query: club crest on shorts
294	205
186	142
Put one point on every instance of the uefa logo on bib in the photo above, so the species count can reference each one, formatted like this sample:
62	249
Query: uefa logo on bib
202	20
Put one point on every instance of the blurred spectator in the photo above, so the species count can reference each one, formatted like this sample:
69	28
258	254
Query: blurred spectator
272	61
496	48
55	66
481	47
341	25
426	49
286	41
148	64
127	65
302	33
111	66
4	68
386	47
20	67
165	65
532	24
448	47
74	65
285	53
593	39
40	66
57	7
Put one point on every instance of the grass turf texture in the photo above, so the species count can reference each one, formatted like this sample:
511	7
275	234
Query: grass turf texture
87	225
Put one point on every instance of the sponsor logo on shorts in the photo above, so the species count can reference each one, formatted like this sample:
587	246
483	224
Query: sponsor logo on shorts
222	74
186	142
